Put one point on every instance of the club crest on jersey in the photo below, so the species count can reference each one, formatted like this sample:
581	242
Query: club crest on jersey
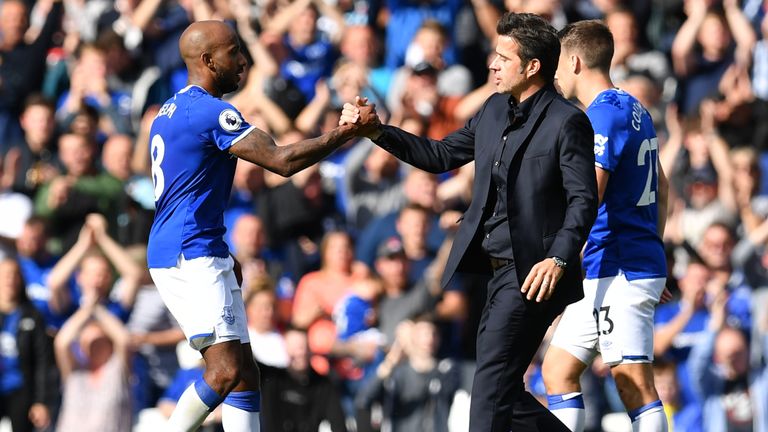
600	142
227	315
229	120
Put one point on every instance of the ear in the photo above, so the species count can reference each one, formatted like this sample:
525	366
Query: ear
532	68
575	63
207	60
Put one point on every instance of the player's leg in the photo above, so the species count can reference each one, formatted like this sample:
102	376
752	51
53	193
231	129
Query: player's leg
628	349
198	293
562	372
638	392
241	408
573	347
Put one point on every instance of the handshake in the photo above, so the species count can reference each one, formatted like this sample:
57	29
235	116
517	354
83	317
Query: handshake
363	117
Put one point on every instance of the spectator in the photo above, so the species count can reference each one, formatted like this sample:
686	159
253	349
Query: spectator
89	85
296	213
414	387
247	184
297	398
36	265
629	57
67	199
680	416
116	157
734	396
419	189
422	101
311	51
23	66
372	184
405	19
37	154
93	356
318	293
28	380
428	47
760	86
94	277
702	49
716	249
267	343
753	207
360	45
703	176
154	334
17	208
401	300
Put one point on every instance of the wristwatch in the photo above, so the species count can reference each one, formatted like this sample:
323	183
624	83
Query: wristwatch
559	262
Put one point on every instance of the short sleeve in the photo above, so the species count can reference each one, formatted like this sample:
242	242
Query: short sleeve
609	135
227	125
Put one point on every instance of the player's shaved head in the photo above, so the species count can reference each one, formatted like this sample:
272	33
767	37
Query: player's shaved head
203	37
211	51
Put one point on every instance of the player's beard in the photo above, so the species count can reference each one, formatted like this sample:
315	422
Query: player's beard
228	82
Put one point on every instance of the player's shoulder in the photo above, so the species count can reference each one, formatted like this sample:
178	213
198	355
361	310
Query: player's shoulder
208	111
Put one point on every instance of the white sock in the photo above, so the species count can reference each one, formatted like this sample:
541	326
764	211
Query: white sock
649	418
191	410
569	409
237	420
240	411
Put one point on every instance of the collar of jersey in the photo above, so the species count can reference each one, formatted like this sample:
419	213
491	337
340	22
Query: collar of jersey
185	89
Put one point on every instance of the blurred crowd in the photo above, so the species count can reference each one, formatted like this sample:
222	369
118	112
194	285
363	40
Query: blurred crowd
342	261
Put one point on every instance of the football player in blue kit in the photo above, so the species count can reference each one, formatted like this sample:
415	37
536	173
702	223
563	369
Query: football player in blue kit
624	259
195	141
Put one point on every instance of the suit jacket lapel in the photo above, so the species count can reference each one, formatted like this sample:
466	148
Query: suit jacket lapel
528	127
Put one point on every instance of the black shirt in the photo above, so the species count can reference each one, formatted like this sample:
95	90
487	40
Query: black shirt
496	233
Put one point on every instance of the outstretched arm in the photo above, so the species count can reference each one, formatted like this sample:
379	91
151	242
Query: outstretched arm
435	156
259	148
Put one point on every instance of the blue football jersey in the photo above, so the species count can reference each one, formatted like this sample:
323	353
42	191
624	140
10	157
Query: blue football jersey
624	236
192	172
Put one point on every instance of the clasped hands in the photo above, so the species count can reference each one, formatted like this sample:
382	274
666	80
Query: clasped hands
363	116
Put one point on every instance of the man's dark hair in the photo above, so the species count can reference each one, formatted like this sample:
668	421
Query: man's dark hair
37	99
536	39
591	41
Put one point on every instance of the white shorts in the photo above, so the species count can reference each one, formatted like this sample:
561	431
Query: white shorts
615	318
204	297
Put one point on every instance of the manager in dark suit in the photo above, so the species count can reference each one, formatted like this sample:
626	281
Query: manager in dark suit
534	200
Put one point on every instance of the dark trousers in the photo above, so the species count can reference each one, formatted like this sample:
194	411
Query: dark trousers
510	332
15	406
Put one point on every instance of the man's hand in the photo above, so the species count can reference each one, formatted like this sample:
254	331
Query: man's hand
98	224
39	415
666	296
541	281
362	115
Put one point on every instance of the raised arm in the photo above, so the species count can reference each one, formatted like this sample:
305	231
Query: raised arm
62	272
129	271
67	335
116	331
282	20
487	16
742	31
685	40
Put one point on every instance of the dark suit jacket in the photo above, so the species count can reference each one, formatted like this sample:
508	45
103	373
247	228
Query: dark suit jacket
552	193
